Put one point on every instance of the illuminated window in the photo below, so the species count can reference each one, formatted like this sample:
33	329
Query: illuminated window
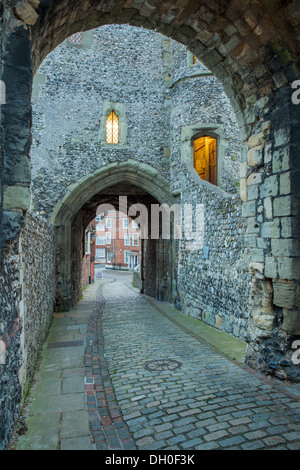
76	38
112	128
205	158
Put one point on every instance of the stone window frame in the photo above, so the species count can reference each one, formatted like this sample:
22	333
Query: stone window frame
193	132
119	109
190	60
86	40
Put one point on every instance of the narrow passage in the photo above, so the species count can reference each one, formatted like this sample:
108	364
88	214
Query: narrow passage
136	380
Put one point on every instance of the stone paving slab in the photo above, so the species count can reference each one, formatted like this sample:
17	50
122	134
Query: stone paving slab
106	396
42	434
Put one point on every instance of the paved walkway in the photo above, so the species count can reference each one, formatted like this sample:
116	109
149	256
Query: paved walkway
120	371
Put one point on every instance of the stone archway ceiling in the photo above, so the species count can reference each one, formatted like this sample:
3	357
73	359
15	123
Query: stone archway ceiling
253	43
111	196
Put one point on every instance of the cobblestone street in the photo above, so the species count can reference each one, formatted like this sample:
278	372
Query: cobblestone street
143	382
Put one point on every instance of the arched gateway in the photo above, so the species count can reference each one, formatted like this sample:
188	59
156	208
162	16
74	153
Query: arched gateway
253	49
144	186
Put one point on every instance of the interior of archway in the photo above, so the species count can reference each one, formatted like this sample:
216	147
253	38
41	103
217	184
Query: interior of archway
74	169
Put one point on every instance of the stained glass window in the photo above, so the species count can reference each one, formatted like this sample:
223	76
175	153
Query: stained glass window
112	128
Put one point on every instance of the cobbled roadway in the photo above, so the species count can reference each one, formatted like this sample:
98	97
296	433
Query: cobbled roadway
207	403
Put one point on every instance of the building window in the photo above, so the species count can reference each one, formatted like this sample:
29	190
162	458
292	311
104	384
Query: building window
135	239
76	38
100	227
205	158
108	238
108	256
126	257
112	128
108	223
100	240
100	253
88	243
134	224
125	223
127	239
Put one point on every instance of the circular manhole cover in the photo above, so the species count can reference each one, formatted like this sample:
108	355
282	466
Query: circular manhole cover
162	364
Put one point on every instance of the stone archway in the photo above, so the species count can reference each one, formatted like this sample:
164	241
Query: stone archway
253	48
76	201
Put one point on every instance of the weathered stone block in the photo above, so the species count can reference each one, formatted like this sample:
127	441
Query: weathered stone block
252	225
286	294
255	156
243	189
249	209
281	160
12	225
16	197
289	268
252	192
285	247
255	178
269	187
268	209
257	255
250	241
256	140
291	321
284	206
270	229
270	268
26	12
285	183
263	321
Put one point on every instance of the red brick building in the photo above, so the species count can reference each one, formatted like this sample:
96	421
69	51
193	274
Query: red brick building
112	241
117	242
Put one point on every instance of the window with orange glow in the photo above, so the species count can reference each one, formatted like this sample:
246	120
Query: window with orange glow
112	128
205	158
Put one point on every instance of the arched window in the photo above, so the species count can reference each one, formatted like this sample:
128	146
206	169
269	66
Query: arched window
112	128
205	158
